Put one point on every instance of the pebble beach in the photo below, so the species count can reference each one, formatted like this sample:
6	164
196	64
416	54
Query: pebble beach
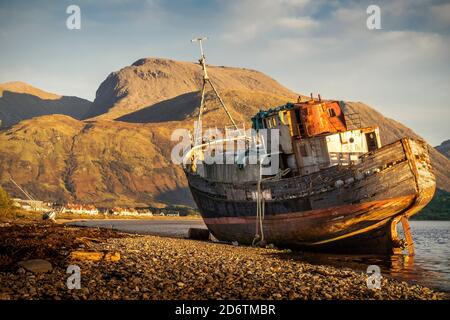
154	268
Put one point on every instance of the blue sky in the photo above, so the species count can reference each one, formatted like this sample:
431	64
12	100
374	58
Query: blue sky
402	70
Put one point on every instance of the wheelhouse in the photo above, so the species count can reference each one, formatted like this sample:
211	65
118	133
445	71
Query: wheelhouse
316	134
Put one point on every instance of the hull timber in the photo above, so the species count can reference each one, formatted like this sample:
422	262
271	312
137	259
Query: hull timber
314	211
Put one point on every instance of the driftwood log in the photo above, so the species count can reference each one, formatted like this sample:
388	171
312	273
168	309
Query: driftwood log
94	256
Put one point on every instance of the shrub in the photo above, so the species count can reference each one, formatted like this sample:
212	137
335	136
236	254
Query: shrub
5	200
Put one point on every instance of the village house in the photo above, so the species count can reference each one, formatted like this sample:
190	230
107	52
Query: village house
30	205
145	212
173	214
80	209
124	211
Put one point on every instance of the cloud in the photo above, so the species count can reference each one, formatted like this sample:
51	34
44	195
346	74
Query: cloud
402	70
441	13
247	20
309	46
299	23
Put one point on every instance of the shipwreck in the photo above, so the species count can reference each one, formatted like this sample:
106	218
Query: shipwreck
335	187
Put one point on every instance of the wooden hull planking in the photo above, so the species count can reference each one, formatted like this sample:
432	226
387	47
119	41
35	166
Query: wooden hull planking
388	186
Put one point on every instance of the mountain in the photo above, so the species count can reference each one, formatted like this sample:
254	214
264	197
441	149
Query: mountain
444	148
20	101
25	88
127	161
148	82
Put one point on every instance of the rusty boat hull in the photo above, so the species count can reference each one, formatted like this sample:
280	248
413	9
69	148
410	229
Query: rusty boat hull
314	212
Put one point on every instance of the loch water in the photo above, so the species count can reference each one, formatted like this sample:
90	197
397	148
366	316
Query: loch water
430	265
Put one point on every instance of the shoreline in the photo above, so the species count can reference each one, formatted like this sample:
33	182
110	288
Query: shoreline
153	267
182	218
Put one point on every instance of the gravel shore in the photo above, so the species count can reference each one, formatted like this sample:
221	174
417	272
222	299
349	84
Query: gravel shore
152	267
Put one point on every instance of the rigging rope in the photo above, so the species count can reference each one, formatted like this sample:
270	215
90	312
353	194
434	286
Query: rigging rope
260	211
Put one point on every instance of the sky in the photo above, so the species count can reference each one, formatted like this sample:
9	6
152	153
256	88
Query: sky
401	69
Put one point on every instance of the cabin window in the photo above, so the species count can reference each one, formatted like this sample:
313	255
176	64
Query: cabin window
274	122
297	116
331	112
372	143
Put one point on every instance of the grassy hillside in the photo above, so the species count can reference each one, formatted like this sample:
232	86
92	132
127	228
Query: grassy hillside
437	209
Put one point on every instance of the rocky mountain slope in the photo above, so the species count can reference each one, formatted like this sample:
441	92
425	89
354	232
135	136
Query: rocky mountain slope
127	162
20	101
148	82
444	148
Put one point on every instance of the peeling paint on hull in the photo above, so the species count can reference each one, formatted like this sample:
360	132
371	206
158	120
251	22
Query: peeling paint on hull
359	217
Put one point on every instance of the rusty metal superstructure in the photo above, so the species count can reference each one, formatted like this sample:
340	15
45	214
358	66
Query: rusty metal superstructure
335	188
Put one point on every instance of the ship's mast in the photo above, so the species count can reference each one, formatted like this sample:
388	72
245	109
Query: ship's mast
22	190
207	80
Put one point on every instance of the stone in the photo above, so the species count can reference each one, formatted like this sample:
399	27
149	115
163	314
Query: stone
36	265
